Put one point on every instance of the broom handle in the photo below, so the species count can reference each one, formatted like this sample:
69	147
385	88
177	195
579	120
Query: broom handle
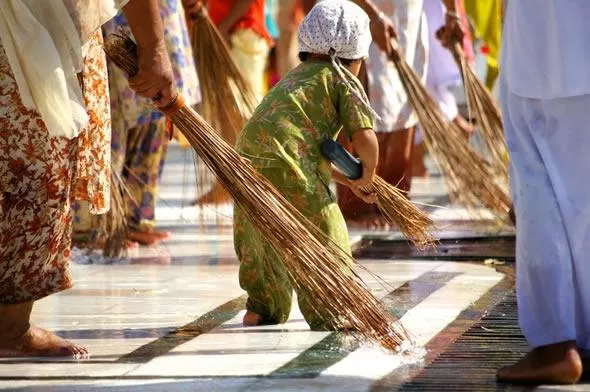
350	166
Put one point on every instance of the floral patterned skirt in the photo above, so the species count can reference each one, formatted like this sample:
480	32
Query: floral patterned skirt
40	175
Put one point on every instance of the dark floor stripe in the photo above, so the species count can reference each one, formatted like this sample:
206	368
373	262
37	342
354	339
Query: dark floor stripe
203	324
438	344
335	347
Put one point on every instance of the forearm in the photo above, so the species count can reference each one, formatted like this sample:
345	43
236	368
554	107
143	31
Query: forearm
307	5
369	7
451	5
367	148
238	11
145	22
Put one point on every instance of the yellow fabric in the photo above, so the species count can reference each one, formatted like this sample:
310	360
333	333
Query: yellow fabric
250	52
487	17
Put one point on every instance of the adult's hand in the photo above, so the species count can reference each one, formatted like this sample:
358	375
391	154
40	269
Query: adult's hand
155	78
383	32
452	31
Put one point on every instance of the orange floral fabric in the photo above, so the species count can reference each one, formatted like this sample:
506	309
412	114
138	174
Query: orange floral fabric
37	175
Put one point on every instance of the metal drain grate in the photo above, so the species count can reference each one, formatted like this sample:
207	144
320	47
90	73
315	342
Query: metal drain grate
471	362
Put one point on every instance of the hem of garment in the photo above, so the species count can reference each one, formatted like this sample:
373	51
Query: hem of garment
411	124
68	285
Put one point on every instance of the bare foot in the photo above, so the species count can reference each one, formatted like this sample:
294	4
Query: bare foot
37	342
554	364
149	237
251	319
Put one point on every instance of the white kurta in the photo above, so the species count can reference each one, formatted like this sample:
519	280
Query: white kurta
545	96
386	91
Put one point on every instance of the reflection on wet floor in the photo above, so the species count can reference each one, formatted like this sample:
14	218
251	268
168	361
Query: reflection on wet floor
169	318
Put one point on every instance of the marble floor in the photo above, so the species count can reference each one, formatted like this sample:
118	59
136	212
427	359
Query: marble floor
169	318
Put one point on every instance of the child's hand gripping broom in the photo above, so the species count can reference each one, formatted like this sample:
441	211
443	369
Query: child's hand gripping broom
394	205
314	262
471	181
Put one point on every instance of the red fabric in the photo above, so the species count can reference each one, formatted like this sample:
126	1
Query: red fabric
253	19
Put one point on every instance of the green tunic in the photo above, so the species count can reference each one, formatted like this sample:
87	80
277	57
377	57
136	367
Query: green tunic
282	140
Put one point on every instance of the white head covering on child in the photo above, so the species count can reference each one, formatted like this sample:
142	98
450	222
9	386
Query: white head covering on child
339	29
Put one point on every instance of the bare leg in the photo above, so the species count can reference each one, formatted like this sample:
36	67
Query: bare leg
20	339
557	363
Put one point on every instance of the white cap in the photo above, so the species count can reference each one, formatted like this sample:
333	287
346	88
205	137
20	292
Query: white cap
337	25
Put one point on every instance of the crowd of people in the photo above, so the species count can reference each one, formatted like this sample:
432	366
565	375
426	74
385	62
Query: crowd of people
71	122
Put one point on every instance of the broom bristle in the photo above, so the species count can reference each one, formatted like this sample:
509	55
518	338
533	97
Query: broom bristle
487	114
113	226
315	263
414	223
470	179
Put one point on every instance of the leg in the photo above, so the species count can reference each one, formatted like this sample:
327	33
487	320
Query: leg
261	276
540	148
20	339
146	150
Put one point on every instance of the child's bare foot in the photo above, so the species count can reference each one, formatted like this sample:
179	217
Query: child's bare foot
554	364
149	237
38	342
251	319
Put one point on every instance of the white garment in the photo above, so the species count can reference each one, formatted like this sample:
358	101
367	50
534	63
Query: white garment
548	53
386	92
43	42
549	142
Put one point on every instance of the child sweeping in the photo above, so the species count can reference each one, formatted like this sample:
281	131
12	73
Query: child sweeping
282	140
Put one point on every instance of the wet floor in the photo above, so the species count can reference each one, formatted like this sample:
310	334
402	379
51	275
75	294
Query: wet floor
169	318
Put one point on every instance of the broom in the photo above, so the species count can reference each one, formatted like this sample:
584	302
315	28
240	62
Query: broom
470	179
486	112
228	100
314	262
113	226
392	202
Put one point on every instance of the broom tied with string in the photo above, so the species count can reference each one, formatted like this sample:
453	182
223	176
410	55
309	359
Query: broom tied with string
392	202
471	181
314	262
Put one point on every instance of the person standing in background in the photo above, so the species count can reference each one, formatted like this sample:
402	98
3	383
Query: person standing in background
140	139
241	22
42	145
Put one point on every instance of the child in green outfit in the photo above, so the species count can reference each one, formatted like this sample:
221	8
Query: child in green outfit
282	140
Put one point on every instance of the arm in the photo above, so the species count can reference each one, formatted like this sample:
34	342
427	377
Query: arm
238	11
382	28
367	148
452	31
154	79
307	5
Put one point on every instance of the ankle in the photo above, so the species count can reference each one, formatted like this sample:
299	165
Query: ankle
13	330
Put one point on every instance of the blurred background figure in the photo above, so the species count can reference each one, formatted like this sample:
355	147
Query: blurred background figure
242	24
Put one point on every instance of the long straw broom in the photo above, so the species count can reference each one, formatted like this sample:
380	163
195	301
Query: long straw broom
487	114
390	200
470	179
228	100
314	262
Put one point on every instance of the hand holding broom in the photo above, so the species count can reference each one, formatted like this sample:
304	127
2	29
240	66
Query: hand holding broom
394	205
314	262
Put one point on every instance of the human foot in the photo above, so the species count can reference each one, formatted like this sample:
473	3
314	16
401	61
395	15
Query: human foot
38	342
149	237
554	364
251	319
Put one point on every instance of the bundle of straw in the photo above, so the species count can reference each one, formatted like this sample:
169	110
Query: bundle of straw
315	263
470	179
392	202
487	114
114	226
228	100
